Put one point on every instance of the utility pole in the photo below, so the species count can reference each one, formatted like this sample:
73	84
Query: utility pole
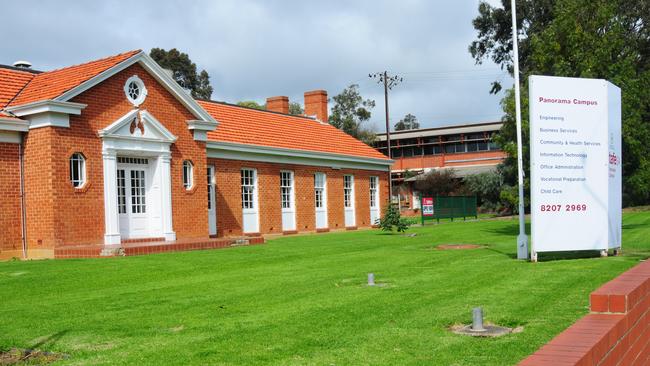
522	238
389	82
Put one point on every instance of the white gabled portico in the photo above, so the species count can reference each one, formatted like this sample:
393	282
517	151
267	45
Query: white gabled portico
137	178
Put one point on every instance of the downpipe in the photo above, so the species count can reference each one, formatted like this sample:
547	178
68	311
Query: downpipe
23	218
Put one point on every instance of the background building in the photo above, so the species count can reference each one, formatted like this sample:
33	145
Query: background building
468	149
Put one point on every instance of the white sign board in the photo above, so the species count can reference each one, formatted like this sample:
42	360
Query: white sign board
575	164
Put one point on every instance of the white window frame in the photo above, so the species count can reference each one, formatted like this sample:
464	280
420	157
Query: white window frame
142	90
251	182
138	191
121	191
287	190
322	188
78	164
188	174
374	181
348	191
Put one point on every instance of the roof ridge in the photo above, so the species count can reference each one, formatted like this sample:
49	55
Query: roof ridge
255	109
20	69
134	52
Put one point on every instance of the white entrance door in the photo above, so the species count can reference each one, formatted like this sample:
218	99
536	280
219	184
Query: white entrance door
249	203
133	183
320	200
212	210
288	201
348	200
374	200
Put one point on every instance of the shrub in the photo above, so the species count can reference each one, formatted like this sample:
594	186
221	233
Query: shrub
392	218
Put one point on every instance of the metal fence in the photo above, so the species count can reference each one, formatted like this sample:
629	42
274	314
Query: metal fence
450	207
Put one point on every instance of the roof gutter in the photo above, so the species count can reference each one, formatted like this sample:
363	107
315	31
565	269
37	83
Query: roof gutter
278	151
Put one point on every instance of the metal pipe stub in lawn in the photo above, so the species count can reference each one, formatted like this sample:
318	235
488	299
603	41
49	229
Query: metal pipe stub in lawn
371	279
477	320
477	328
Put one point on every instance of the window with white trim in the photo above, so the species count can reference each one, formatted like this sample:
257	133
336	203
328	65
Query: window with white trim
77	170
138	194
209	189
121	192
373	191
188	177
135	90
247	188
319	190
347	190
286	189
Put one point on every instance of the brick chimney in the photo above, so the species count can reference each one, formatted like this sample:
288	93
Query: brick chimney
316	104
278	104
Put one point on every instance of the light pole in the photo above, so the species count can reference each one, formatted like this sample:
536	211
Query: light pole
389	82
522	238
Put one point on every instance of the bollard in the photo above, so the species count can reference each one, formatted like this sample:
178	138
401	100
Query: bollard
371	279
477	320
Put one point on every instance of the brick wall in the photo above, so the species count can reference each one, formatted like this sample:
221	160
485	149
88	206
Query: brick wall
616	332
229	212
39	192
10	223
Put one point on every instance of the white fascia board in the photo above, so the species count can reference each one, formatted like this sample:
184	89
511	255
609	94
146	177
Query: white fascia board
233	151
14	124
11	137
164	132
202	125
112	129
156	71
201	128
47	106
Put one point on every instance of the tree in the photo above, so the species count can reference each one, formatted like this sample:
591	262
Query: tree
442	182
487	187
409	122
607	39
296	109
184	71
252	104
350	111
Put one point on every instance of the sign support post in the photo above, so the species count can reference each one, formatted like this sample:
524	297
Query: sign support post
522	238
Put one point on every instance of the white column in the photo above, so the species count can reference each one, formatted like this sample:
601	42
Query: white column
164	165
111	219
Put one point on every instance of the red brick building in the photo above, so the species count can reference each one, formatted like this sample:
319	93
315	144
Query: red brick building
467	149
114	150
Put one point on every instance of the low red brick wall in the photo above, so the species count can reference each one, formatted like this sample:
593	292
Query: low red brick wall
616	332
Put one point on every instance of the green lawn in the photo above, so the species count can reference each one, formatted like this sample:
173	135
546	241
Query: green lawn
301	300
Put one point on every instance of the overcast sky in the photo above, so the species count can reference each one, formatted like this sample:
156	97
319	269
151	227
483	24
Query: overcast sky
254	49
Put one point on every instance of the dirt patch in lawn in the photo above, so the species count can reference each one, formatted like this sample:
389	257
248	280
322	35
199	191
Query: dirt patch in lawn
17	356
458	246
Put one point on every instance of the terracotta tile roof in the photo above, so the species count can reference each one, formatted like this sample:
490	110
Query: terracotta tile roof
51	84
11	83
262	128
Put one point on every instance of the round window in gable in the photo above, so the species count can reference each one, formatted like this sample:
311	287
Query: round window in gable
135	90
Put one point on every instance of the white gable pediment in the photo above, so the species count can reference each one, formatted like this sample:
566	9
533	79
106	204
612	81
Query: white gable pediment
138	125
